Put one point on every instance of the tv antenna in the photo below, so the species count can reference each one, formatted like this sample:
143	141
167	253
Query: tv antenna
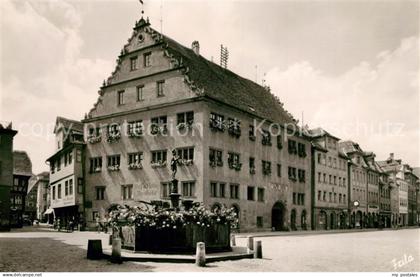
224	56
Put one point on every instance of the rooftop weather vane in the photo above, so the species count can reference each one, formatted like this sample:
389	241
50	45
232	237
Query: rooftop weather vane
142	7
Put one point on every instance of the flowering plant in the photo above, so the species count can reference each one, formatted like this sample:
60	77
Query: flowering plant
165	218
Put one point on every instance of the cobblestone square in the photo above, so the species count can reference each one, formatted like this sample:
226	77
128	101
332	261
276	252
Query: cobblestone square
43	250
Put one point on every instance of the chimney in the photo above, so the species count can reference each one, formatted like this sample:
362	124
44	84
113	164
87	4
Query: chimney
196	47
391	156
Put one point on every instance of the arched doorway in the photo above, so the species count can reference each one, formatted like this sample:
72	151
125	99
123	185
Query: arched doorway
342	221
293	220
332	221
277	216
322	220
303	220
359	220
216	207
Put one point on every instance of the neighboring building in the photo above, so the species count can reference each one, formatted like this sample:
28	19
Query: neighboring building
31	199
6	173
36	199
329	182
358	190
373	175
396	171
416	171
164	96
43	211
22	172
412	182
385	199
66	171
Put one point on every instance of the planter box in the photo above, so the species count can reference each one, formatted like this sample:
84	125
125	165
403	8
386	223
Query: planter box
180	240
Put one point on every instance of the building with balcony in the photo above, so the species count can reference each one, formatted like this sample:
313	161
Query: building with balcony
66	185
22	172
237	145
6	173
329	182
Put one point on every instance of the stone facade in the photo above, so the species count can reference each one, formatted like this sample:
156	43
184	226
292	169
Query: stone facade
329	181
266	179
6	173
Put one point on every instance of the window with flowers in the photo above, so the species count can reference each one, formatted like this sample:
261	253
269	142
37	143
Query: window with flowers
114	162
185	120
234	127
215	157
217	122
114	132
234	161
135	160
159	158
135	128
186	155
95	164
159	125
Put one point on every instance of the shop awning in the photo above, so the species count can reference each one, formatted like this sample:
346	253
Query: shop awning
49	211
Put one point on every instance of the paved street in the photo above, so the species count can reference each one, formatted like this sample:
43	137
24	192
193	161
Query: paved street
43	250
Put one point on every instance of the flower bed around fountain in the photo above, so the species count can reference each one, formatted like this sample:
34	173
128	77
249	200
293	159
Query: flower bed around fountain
160	230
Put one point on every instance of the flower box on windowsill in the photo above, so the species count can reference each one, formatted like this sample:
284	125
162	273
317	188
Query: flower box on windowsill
234	131
184	126
158	164
135	166
135	135
158	130
186	162
113	168
252	170
252	137
113	137
216	125
96	170
94	139
236	166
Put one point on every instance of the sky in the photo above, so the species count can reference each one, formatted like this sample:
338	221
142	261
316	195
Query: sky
351	67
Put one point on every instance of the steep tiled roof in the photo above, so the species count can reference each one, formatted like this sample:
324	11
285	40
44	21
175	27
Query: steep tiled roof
225	86
69	124
349	146
319	132
22	165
